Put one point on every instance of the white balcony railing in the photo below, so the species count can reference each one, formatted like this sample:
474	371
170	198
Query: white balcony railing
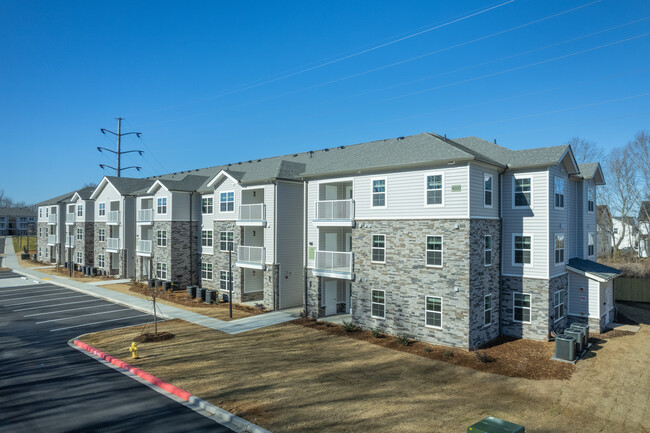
51	219
334	261
145	216
70	218
143	247
113	244
252	214
334	212
69	241
251	257
52	239
113	217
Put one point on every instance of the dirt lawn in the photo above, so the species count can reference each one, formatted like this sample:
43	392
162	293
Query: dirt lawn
289	378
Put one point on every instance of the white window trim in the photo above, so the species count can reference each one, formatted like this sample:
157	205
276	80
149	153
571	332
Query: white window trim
101	233
555	179
555	249
99	209
425	312
205	197
372	303
442	252
593	234
486	250
158	238
234	202
79	235
79	209
594	193
233	240
557	319
485	176
434	173
372	201
211	271
485	325
227	280
372	247
532	249
162	265
158	206
532	198
101	261
211	238
530	308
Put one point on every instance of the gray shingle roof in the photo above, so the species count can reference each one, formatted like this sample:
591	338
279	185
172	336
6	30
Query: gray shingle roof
542	156
85	192
588	170
59	199
129	185
188	183
17	211
594	268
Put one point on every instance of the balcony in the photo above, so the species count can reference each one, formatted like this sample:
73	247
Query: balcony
112	244
51	219
113	217
69	241
145	216
52	239
252	215
251	257
70	218
334	264
143	248
334	213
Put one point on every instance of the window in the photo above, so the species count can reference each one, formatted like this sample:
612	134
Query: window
487	310
379	193
487	190
80	258
521	310
80	210
162	205
590	244
226	241
80	234
559	193
206	238
559	248
378	310
161	271
224	279
591	199
615	230
379	248
206	271
39	252
101	235
487	250
227	202
47	252
206	205
47	212
161	238
522	192
101	261
434	251
101	210
40	230
522	250
558	304
40	212
433	312
434	190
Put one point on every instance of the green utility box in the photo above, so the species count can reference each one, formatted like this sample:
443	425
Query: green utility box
495	425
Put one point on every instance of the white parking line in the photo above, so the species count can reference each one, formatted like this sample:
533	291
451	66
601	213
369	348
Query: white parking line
69	309
46	300
28	287
58	305
83	315
34	294
104	321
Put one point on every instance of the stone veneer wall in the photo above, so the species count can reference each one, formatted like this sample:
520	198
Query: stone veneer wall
41	241
86	245
182	267
406	280
219	260
271	286
99	247
314	294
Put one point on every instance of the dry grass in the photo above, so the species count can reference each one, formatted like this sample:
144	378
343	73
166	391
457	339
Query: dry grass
632	267
292	378
76	276
180	300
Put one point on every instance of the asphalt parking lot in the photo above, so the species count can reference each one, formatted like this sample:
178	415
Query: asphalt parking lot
46	385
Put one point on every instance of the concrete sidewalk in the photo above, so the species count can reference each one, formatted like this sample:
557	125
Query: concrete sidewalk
166	311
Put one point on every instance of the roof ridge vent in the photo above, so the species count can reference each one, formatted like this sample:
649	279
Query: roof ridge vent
400	138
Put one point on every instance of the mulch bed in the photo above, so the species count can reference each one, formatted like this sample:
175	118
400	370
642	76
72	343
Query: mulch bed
504	356
151	338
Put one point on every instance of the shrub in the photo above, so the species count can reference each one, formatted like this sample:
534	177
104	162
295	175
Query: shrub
349	326
259	306
448	354
377	332
483	357
403	340
427	350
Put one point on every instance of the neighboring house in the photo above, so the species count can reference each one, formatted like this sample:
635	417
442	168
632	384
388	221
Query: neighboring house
625	236
605	228
453	242
16	221
644	229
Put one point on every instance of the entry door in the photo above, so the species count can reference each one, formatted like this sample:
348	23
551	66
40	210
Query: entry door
330	296
331	192
331	241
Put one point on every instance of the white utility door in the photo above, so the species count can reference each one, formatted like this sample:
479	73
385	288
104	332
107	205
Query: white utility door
330	296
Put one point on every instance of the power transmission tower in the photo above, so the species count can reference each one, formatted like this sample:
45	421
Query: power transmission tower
119	152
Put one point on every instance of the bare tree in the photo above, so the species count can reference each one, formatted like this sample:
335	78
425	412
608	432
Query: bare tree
585	151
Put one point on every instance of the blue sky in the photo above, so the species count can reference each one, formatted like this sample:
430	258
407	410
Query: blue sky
217	82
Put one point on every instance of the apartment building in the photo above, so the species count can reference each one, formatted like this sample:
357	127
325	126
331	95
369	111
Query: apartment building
51	229
79	237
16	221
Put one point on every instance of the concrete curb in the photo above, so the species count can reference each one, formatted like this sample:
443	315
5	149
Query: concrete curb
221	416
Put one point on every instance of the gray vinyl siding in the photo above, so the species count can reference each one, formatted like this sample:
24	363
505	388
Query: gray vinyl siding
180	211
572	208
589	219
107	195
127	234
269	231
477	202
531	221
590	307
558	219
163	193
290	236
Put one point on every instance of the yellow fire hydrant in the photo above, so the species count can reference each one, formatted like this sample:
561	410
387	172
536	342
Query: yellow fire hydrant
134	350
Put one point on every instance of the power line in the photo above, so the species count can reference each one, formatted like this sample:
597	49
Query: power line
150	152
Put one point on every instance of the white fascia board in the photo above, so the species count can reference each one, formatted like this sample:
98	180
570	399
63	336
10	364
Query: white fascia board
155	187
587	274
218	176
99	188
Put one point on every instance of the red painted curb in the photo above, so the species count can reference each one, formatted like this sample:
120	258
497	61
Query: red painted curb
143	374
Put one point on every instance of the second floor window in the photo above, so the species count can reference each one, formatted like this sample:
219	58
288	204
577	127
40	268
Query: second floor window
379	193
591	244
559	193
522	250
487	250
80	234
101	235
206	238
522	192
591	199
101	210
162	205
487	190
434	189
80	210
379	248
559	249
226	241
227	202
434	251
161	238
206	205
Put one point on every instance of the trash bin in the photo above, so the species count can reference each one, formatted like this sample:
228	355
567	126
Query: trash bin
577	334
200	294
191	292
495	425
584	327
210	296
565	347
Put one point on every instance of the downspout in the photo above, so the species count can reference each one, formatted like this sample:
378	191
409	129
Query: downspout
501	245
191	241
305	247
276	290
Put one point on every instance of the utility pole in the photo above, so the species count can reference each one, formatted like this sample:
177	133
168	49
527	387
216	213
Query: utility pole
119	152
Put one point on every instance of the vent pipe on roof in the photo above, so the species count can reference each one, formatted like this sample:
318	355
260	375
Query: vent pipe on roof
495	141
